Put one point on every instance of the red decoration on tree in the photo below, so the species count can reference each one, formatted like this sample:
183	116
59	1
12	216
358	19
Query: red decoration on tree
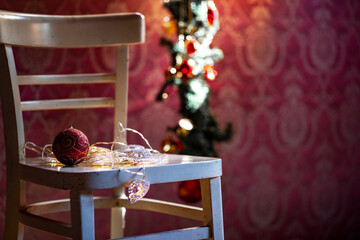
191	46
213	13
187	67
70	146
190	191
169	145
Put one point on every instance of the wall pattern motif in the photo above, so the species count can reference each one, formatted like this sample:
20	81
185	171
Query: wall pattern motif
289	82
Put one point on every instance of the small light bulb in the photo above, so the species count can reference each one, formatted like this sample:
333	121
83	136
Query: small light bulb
211	4
164	95
179	75
191	62
166	147
178	59
172	70
186	124
210	76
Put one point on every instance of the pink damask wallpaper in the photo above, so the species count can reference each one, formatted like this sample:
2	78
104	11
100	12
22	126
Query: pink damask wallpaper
289	82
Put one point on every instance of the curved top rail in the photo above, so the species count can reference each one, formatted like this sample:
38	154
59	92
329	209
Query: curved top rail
65	31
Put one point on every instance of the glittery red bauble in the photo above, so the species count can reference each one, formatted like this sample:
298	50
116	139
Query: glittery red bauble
190	191
70	146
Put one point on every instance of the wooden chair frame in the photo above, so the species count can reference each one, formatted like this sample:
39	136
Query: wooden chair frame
48	31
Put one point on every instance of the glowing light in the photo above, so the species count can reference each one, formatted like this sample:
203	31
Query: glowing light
211	76
178	59
196	44
191	62
186	124
166	148
179	75
211	5
172	70
164	95
210	73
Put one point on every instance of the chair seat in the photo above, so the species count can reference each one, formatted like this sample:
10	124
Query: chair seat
173	169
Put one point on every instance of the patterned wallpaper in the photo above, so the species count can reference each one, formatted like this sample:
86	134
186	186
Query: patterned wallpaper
289	82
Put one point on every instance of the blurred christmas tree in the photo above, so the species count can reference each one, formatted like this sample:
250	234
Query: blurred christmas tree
188	34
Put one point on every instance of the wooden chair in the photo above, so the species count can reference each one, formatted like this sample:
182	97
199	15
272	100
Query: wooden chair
120	30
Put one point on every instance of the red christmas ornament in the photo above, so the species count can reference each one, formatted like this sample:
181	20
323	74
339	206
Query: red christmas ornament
190	191
185	70
70	146
213	13
191	46
187	67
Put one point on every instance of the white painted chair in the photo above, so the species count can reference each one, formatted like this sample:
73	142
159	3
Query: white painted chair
118	30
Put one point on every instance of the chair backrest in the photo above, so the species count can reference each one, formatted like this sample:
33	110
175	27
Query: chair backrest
57	31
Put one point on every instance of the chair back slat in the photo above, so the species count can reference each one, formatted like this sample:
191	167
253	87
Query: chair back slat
39	30
121	90
66	79
73	103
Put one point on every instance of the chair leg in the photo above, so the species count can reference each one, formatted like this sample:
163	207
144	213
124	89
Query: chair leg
118	215
212	205
82	215
15	196
13	228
